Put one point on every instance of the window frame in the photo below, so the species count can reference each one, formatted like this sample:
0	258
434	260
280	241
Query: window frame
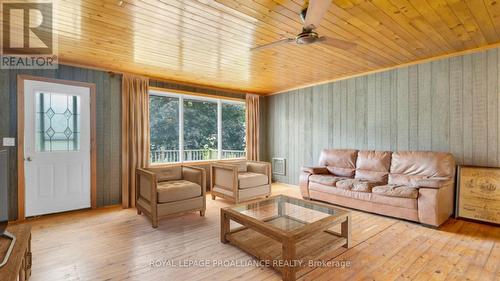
192	96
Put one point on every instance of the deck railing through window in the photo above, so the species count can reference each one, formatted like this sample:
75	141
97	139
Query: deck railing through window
166	156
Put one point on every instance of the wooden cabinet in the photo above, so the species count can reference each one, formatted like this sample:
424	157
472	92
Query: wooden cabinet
19	265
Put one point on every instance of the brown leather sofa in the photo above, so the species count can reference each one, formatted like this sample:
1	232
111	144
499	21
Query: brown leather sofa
413	185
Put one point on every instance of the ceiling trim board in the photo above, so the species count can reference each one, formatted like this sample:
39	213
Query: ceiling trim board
159	79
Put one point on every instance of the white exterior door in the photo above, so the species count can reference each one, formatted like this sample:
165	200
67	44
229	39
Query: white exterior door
56	147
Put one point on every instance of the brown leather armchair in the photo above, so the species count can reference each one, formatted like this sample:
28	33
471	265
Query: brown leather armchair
241	181
164	191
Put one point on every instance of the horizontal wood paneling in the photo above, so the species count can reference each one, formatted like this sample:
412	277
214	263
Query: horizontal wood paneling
446	105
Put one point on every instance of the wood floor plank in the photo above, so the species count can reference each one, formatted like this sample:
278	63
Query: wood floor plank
118	244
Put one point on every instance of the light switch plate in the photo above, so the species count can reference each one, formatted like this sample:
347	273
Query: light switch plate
9	142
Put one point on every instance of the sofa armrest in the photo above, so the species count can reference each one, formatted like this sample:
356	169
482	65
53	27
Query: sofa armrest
315	170
304	184
196	175
435	205
435	200
436	182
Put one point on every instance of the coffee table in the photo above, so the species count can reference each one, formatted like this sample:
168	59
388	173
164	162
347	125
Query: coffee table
289	234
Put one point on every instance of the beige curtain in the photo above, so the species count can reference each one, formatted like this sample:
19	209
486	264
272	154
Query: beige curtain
135	133
252	127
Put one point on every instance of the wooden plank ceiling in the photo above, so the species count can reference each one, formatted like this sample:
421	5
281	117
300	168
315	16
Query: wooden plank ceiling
207	42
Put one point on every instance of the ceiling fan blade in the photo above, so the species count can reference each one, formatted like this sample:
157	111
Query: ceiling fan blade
337	43
276	43
315	12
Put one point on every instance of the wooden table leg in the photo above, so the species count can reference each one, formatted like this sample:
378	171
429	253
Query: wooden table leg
224	226
288	256
280	208
346	231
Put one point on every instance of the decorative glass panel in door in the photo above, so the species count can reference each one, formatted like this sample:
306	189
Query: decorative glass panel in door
57	122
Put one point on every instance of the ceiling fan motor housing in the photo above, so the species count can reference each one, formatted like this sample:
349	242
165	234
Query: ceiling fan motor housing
307	37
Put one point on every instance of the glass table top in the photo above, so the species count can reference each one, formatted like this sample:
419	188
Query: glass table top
286	213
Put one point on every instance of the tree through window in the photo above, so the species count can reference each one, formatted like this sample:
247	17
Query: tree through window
189	128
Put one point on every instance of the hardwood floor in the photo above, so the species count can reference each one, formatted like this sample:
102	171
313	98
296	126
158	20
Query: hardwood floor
118	244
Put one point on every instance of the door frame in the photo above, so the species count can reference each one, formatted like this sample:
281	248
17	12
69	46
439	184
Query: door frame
21	195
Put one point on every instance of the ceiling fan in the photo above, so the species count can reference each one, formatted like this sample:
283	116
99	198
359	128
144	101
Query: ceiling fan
311	17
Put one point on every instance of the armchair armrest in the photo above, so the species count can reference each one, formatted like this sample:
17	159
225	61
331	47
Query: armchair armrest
259	167
436	182
145	172
146	184
196	175
315	170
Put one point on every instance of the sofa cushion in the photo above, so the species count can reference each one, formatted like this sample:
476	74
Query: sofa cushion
395	190
249	179
345	184
365	196
407	167
407	203
340	162
373	165
364	185
329	180
358	185
341	172
176	190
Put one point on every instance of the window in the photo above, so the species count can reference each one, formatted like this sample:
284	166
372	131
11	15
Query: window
164	125
190	128
200	130
233	131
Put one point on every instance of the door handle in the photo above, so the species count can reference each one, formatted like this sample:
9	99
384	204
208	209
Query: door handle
28	159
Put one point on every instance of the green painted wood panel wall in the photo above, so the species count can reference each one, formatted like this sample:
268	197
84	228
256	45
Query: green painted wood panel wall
446	105
108	89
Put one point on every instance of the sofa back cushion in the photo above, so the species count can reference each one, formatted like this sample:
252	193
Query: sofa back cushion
373	165
410	166
340	162
167	173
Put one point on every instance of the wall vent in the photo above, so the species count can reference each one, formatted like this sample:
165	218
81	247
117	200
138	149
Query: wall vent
279	166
